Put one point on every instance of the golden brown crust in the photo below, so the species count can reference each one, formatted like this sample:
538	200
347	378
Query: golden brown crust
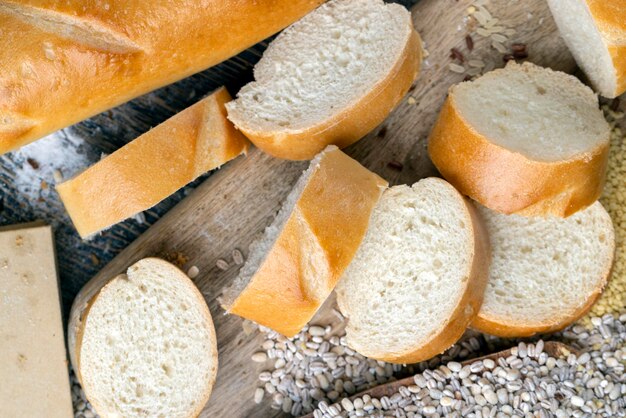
610	18
497	327
469	304
153	166
354	122
80	312
55	75
618	55
510	182
316	244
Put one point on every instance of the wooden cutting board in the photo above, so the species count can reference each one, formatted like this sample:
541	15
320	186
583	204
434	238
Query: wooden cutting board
234	205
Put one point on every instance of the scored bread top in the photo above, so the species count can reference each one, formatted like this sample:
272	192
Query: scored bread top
545	272
152	167
419	275
65	60
147	345
502	140
329	78
291	271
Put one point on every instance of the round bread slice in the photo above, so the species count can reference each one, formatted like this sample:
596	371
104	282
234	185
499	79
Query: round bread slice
523	139
545	272
418	278
295	266
330	78
143	343
595	33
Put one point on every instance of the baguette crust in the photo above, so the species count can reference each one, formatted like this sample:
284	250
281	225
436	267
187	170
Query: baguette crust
469	304
315	246
80	312
610	18
64	61
496	326
153	166
507	181
352	123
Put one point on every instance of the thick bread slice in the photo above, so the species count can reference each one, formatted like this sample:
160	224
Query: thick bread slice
595	32
523	139
417	281
143	344
64	61
153	166
545	272
330	78
295	266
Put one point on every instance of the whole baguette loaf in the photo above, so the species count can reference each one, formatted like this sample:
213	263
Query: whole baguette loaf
153	166
64	61
292	270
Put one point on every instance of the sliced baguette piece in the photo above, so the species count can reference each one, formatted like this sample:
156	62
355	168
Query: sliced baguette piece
417	281
545	272
143	343
292	270
149	169
330	78
523	139
595	33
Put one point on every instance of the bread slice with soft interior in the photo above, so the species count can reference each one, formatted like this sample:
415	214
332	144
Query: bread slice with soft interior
418	278
295	266
523	139
152	167
545	272
329	78
595	33
143	343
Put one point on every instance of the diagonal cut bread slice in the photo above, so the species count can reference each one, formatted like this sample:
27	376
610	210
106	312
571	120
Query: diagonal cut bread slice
330	78
418	278
545	272
523	139
595	33
152	167
293	269
143	343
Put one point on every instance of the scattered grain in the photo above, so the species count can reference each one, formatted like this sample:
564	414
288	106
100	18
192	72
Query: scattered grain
222	264
457	55
237	257
193	272
456	68
469	42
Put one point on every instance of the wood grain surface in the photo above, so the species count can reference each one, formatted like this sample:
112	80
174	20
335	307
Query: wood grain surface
233	206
